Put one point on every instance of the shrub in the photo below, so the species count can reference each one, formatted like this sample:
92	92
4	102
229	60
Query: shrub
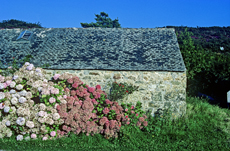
88	110
77	108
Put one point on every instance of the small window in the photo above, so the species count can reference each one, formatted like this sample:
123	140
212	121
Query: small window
25	35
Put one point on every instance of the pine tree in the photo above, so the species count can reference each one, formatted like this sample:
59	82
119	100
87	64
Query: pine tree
103	22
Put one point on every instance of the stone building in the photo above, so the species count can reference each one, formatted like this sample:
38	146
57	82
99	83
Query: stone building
148	58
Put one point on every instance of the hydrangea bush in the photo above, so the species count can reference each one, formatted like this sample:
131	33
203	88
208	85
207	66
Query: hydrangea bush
32	107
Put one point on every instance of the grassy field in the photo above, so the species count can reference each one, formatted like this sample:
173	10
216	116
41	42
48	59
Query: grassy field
204	127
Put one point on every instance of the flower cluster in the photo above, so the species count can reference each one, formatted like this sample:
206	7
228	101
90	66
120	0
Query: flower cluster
57	109
88	110
19	110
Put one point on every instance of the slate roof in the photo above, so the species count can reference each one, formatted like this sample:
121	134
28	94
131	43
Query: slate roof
142	49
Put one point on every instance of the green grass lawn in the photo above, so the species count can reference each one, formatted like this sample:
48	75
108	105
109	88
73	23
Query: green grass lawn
204	127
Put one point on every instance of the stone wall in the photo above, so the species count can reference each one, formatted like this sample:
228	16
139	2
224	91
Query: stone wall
158	90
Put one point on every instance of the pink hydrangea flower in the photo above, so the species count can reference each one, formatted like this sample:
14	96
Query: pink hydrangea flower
54	91
58	107
91	89
106	111
126	110
107	123
8	82
98	86
70	80
75	85
94	101
138	123
52	100
97	95
141	119
145	123
41	113
132	107
118	117
33	136
107	101
53	133
64	127
44	138
73	93
56	76
5	85
103	120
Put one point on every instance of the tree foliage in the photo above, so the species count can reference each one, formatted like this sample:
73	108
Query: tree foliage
103	22
13	23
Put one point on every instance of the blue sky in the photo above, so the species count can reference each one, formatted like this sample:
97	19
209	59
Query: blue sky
130	13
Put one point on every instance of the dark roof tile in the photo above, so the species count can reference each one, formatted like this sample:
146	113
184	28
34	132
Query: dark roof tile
152	49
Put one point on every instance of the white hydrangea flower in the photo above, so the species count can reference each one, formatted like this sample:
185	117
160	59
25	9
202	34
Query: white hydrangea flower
15	77
42	106
20	110
39	89
27	63
63	101
1	135
30	67
37	83
2	86
14	100
9	133
30	124
12	91
29	95
19	87
53	110
27	138
20	121
27	112
2	95
40	74
13	110
45	80
16	95
60	97
56	116
41	113
6	109
22	100
38	70
12	84
7	123
19	137
23	93
49	121
41	120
